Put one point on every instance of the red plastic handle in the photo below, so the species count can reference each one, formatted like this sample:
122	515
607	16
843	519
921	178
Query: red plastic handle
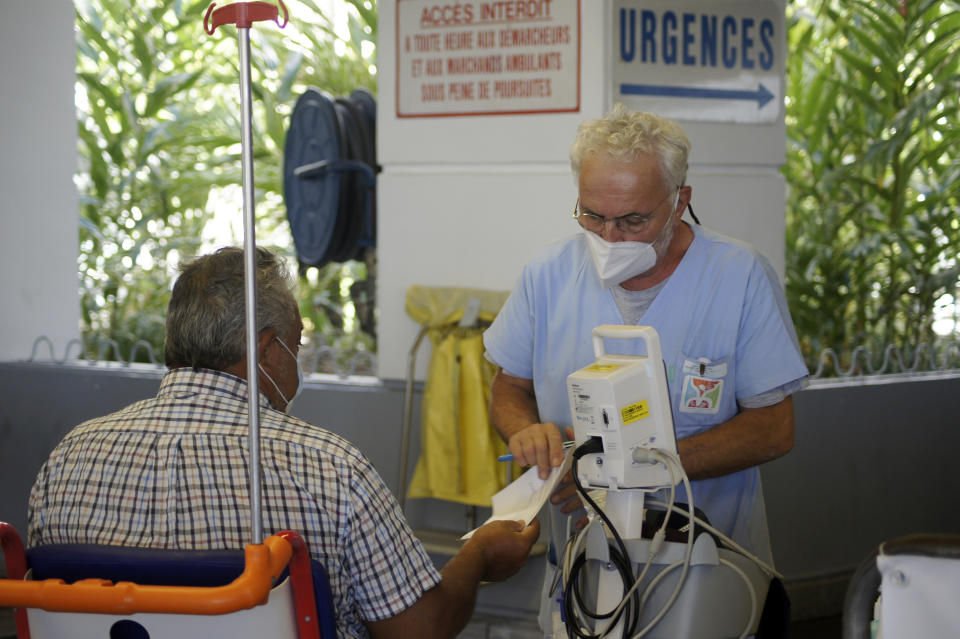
301	578
243	14
16	560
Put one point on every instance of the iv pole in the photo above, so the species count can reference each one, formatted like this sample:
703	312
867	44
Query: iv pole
243	15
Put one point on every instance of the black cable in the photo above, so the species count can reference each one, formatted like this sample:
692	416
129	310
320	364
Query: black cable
573	591
619	555
594	445
692	214
603	515
617	560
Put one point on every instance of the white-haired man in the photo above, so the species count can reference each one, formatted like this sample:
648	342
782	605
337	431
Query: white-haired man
728	342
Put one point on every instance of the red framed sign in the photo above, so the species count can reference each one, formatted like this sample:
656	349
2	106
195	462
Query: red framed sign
495	57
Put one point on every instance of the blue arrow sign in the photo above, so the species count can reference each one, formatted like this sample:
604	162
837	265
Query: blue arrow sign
761	95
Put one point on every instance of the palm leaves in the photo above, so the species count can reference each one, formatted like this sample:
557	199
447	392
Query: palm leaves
158	133
872	170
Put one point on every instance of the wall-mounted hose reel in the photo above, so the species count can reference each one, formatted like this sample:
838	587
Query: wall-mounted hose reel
329	186
329	176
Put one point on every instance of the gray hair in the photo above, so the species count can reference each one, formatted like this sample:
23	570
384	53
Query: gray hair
624	135
206	326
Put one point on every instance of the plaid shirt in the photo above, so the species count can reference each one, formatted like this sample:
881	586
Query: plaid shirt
171	472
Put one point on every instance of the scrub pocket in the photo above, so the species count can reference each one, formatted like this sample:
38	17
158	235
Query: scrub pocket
703	389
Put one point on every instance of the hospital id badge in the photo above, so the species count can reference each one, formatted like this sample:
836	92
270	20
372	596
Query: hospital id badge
701	395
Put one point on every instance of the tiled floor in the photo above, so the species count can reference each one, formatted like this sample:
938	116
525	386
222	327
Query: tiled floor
482	627
7	629
485	627
826	628
489	627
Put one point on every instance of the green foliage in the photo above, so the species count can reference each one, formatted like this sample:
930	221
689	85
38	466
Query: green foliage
873	170
159	131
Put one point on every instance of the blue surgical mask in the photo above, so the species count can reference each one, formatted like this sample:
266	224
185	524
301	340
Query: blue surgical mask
296	363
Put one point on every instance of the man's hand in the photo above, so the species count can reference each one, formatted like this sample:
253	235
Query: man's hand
566	493
513	412
505	546
538	445
494	552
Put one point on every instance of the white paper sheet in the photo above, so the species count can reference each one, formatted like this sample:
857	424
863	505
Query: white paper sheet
525	496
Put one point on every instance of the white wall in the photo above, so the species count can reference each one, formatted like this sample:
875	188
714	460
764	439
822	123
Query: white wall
467	200
38	210
464	201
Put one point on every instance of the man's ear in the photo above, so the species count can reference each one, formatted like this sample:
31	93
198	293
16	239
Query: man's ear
263	341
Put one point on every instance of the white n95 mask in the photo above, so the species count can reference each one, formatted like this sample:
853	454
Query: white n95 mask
286	409
619	261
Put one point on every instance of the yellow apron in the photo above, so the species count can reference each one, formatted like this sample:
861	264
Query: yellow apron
458	446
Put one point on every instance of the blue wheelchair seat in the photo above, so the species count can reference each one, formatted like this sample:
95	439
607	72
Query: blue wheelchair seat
163	567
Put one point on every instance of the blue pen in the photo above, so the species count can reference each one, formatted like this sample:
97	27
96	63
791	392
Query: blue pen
509	456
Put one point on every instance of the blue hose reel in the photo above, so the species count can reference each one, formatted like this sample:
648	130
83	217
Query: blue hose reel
329	176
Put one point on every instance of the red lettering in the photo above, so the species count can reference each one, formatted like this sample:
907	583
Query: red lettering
446	14
432	93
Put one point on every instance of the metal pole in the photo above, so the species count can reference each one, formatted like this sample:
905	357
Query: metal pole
250	281
407	418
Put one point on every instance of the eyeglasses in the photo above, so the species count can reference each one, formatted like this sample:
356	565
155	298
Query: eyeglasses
631	223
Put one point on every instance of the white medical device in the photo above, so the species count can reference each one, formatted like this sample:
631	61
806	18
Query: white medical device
622	580
623	401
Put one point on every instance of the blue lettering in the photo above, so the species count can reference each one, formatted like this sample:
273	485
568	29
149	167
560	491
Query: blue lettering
747	43
648	36
766	56
688	39
729	50
627	53
708	41
669	39
697	39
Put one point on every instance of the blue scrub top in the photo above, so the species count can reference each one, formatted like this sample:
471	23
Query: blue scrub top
725	332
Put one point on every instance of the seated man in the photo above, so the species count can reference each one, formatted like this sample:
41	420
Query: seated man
171	472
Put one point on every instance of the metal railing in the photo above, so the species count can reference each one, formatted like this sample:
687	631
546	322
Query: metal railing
324	359
104	346
893	360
